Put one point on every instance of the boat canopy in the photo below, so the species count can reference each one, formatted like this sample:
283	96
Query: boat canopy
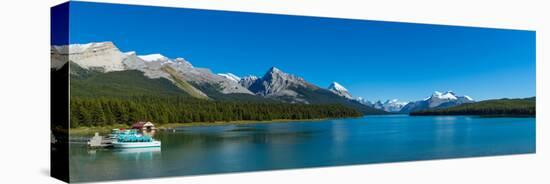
133	136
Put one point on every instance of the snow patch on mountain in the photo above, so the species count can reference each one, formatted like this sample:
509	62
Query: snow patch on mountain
130	53
153	57
340	90
337	86
230	76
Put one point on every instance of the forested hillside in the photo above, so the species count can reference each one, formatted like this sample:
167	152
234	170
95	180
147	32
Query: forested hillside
500	107
99	99
106	111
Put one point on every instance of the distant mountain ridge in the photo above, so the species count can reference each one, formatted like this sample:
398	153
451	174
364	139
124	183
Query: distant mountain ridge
435	101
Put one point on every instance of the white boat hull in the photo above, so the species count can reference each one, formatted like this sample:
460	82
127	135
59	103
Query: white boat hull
136	144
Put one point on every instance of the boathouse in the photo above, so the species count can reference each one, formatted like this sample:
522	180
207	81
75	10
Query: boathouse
142	125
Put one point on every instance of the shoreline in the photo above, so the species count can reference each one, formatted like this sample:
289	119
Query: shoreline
108	128
483	115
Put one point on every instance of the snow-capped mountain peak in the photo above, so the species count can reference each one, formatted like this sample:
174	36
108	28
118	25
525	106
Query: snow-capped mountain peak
274	70
230	76
337	86
340	90
437	100
449	95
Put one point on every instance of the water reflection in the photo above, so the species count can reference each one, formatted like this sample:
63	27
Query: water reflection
138	153
258	134
149	132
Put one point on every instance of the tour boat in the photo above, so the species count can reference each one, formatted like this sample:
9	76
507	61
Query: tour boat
131	139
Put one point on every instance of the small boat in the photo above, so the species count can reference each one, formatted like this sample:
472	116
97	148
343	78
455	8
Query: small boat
131	139
136	144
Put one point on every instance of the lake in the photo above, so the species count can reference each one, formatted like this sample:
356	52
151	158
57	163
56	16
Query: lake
286	145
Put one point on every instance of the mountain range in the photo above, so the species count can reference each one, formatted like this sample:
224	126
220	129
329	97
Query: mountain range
108	64
274	85
437	100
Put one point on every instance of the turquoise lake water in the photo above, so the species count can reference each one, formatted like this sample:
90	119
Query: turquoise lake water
268	146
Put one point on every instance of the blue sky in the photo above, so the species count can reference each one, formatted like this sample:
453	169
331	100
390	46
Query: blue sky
375	60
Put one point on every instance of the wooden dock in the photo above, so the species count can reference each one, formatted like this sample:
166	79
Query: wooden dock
98	141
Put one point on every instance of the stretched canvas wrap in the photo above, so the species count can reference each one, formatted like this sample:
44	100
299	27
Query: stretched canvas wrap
144	92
